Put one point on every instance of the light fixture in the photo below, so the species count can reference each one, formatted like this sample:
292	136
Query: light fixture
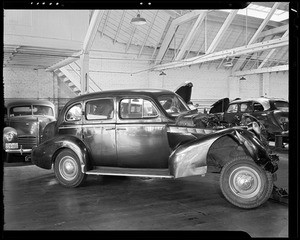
162	73
138	20
228	62
242	78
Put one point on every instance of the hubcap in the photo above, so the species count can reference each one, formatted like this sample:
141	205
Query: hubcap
68	168
245	182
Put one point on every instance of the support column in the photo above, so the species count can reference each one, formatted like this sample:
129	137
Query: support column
266	85
84	73
55	93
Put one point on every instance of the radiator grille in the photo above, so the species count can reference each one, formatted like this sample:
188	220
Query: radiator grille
27	142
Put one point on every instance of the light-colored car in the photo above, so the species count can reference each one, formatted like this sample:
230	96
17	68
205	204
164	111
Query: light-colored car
24	122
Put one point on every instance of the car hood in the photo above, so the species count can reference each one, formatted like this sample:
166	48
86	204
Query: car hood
184	90
219	106
27	125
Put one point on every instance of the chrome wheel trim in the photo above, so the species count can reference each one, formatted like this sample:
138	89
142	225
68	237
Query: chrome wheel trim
68	168
245	182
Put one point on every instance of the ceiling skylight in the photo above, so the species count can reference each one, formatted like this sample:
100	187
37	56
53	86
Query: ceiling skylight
261	12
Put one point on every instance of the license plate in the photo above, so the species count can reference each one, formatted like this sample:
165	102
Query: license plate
11	145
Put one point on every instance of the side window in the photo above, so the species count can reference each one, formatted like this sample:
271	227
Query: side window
137	108
246	107
74	113
233	108
99	109
257	107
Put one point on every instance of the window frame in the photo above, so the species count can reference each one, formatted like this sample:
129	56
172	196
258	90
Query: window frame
137	118
96	99
67	111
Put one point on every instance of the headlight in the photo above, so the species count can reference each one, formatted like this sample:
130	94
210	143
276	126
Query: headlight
9	134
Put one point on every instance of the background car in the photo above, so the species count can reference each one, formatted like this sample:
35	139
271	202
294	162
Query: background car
24	122
271	112
145	133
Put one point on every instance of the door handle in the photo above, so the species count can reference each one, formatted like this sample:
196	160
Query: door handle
121	128
108	129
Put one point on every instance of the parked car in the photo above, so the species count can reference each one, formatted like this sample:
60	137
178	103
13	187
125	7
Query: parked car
24	122
271	112
137	133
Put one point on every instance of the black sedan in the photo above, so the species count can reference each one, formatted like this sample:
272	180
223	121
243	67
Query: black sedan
143	133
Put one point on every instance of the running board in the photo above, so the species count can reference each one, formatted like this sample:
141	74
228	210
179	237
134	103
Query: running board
132	172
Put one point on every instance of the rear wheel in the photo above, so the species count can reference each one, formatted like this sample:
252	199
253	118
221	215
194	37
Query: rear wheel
244	183
67	169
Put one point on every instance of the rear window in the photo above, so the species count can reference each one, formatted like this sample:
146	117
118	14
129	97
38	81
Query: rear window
282	105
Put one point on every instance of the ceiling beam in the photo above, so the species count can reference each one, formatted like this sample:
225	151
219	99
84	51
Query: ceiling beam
172	13
105	23
92	31
172	30
190	36
221	32
271	52
255	47
240	62
261	70
119	26
274	31
148	33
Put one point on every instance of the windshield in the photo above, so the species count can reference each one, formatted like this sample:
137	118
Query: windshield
28	110
282	105
173	104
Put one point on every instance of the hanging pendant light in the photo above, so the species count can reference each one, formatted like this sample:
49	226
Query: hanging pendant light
138	20
228	62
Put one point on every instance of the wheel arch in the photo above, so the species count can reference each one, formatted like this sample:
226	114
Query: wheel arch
193	158
78	147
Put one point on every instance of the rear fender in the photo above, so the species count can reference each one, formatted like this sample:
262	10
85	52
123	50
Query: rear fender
44	155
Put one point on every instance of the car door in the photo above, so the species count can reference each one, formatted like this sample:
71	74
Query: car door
99	131
141	135
72	121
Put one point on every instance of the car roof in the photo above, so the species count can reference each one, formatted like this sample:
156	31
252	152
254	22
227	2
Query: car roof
22	102
112	93
262	100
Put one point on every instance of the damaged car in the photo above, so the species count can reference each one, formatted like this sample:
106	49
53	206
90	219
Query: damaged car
273	113
151	133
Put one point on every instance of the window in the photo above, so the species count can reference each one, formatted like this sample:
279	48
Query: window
100	109
137	108
74	113
42	110
246	107
257	107
233	108
20	111
282	105
172	104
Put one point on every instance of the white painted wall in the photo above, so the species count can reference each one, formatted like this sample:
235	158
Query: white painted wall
111	68
46	28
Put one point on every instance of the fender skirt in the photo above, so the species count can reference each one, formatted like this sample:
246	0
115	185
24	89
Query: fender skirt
191	158
44	155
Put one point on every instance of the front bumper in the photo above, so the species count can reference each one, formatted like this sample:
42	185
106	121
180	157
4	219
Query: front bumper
20	151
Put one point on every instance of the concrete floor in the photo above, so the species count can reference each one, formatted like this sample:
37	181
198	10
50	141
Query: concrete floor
34	200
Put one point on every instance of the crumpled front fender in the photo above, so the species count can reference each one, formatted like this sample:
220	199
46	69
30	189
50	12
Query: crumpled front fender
191	158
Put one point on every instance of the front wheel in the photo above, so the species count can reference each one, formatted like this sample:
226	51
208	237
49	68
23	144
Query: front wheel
67	169
244	183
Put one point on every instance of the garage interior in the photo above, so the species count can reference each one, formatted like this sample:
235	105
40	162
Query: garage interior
56	55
